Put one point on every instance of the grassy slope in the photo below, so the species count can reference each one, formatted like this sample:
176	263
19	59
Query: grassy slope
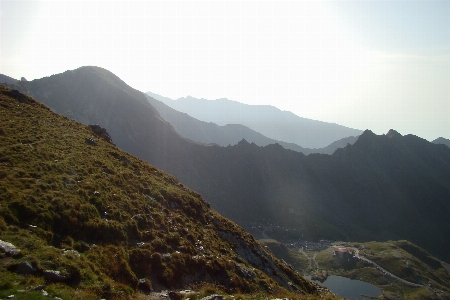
126	218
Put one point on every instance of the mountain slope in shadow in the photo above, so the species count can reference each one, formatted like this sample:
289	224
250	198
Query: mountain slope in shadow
104	219
381	187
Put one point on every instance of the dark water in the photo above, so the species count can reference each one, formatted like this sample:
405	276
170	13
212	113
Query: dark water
349	288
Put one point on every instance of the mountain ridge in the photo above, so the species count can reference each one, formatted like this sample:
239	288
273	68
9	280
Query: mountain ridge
268	120
442	140
382	187
229	134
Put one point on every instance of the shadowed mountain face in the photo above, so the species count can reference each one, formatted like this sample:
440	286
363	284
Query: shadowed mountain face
267	120
230	134
64	189
379	188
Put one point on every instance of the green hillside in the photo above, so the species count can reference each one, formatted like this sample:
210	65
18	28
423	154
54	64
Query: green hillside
400	268
112	225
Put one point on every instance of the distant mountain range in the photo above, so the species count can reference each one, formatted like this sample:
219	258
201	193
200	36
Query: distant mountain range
231	134
267	120
382	187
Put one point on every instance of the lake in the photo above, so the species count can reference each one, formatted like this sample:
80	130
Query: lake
349	288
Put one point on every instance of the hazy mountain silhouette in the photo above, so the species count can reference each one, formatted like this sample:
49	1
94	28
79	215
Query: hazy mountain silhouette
442	140
381	187
231	134
267	120
7	80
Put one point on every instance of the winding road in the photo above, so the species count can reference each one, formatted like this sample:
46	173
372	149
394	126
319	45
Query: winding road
356	251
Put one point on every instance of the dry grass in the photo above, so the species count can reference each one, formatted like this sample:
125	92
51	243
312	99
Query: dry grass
127	219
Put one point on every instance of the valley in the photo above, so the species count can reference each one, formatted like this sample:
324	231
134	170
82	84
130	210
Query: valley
225	150
399	268
386	188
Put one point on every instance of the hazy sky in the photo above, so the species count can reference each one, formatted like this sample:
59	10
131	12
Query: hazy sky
362	64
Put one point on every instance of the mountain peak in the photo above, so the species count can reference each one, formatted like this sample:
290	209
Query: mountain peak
441	140
243	142
366	135
393	134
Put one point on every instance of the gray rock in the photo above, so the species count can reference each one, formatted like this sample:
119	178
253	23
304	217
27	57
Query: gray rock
25	268
245	272
71	253
9	248
53	276
213	297
91	141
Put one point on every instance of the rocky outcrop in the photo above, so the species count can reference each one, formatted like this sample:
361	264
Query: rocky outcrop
102	133
53	276
18	96
25	268
9	248
91	141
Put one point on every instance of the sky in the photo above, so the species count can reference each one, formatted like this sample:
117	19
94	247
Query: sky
363	64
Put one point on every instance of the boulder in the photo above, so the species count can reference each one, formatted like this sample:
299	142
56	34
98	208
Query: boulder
246	272
213	297
9	248
53	276
25	268
91	141
71	253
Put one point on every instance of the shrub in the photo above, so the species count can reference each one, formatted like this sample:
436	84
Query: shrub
140	261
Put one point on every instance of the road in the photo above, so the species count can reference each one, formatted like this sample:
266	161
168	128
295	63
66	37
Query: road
310	259
356	251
